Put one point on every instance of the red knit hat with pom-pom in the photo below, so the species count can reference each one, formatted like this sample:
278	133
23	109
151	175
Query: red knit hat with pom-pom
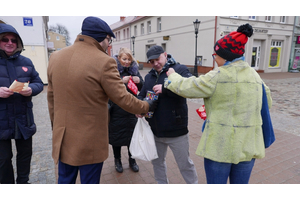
232	46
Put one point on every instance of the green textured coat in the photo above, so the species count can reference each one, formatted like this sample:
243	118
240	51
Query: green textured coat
233	100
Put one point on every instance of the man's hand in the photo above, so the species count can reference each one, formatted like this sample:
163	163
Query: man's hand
152	105
157	88
170	71
5	92
26	92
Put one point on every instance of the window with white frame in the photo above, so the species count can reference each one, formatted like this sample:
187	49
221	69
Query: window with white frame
268	18
149	27
135	30
158	24
127	33
282	19
116	34
276	43
119	36
142	29
252	17
57	38
234	17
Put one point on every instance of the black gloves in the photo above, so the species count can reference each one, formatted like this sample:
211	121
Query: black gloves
152	104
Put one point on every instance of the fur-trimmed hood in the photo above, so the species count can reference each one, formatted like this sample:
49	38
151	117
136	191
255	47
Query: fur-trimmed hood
133	69
4	29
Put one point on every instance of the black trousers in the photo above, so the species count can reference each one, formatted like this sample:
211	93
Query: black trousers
24	153
117	152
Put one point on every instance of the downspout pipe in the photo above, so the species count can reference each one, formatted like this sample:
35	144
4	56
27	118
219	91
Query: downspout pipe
215	36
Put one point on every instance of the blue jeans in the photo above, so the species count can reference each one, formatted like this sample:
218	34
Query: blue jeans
218	172
89	174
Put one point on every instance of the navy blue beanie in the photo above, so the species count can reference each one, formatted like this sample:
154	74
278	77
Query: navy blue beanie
96	28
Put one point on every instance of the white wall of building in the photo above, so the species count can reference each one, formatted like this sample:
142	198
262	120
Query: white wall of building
181	43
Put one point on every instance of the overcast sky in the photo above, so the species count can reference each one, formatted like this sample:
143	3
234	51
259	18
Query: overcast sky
74	23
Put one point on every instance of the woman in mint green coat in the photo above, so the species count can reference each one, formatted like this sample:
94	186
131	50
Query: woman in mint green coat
232	137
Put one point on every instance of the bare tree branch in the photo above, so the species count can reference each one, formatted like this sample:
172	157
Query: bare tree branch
61	29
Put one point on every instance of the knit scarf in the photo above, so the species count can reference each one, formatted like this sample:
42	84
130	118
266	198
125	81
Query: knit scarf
240	58
170	61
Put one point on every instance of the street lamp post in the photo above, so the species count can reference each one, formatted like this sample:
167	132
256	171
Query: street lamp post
196	26
133	38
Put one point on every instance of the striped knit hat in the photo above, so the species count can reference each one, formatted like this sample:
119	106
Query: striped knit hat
232	46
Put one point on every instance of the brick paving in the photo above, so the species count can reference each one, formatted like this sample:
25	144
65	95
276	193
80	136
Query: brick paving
280	166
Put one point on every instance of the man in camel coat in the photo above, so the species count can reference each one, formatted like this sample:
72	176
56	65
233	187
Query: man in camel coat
81	79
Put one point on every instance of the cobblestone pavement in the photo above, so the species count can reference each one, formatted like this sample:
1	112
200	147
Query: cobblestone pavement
285	111
285	114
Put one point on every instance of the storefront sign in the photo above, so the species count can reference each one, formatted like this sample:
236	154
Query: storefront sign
256	30
298	40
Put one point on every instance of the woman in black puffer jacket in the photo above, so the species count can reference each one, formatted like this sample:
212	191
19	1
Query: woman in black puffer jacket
122	123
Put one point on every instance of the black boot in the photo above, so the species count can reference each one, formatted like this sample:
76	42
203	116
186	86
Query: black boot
118	165
133	165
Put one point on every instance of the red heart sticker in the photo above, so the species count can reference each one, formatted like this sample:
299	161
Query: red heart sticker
25	69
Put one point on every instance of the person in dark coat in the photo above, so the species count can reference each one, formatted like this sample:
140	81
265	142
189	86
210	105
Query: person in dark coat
169	123
16	116
122	123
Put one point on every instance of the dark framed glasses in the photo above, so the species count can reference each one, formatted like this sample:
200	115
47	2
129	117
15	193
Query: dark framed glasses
7	40
109	40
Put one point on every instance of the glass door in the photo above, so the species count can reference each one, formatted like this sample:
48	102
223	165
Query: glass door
255	54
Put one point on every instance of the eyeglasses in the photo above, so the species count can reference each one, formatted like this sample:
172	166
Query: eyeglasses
214	55
109	40
12	40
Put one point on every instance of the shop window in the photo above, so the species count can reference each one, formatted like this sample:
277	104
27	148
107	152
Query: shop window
275	49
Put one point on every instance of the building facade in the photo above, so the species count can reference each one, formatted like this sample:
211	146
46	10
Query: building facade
294	64
268	50
33	31
56	41
123	35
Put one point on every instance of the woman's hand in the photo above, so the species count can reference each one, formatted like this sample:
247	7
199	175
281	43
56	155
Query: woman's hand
170	71
136	79
125	79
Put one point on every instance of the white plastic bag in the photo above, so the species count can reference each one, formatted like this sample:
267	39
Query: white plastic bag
142	144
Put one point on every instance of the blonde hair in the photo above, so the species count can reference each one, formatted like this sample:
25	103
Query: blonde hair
126	51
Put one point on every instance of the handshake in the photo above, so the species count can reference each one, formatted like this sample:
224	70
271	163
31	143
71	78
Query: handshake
152	104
